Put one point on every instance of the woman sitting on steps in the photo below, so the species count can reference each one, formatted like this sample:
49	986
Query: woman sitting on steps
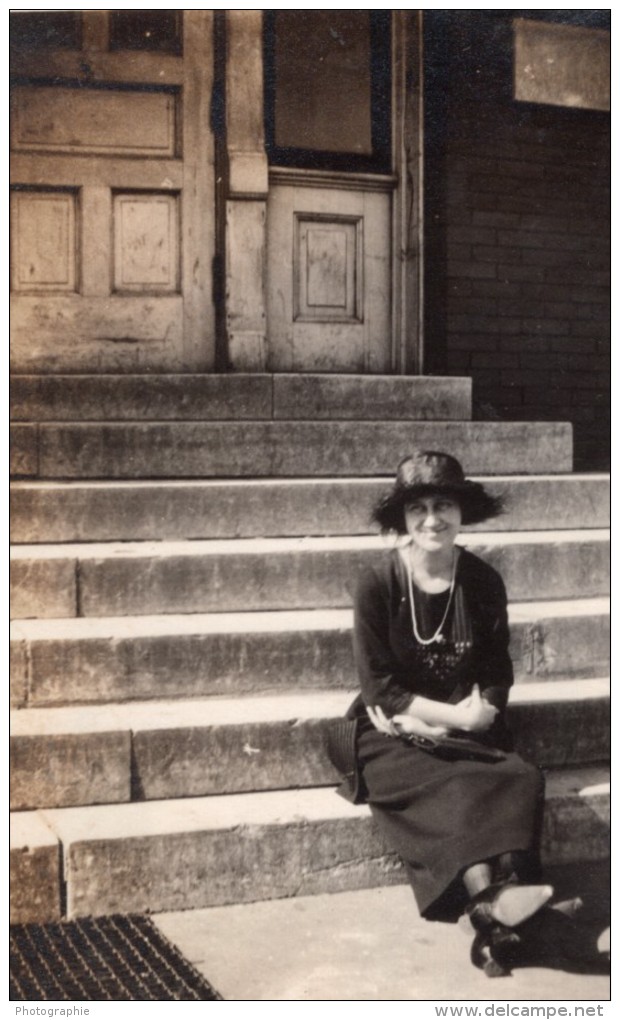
432	754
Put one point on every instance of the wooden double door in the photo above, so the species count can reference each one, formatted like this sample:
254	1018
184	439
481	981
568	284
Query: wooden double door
125	194
112	190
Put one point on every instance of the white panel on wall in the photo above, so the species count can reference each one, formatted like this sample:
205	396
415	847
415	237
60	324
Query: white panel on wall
89	120
327	266
562	65
43	241
146	242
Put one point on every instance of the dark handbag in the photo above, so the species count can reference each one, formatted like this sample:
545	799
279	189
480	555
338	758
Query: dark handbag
341	741
455	748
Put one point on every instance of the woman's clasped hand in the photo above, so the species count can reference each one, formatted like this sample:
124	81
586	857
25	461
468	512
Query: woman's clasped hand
400	724
473	714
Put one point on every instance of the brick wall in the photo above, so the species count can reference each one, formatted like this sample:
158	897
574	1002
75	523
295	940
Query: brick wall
517	238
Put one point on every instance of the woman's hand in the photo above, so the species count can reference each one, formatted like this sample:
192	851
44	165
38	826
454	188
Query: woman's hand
409	724
474	714
381	722
402	724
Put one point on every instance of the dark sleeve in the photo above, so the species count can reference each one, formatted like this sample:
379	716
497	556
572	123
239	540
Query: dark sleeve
379	671
494	673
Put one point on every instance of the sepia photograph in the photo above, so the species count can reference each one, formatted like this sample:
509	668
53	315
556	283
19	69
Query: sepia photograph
310	420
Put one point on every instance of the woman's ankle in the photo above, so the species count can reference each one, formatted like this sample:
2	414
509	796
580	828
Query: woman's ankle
477	877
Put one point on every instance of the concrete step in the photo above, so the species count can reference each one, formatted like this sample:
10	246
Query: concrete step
209	397
36	868
139	657
255	449
139	511
143	578
195	747
207	851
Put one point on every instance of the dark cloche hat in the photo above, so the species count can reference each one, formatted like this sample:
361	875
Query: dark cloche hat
429	472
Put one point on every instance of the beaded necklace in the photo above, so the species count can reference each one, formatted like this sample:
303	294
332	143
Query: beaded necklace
437	637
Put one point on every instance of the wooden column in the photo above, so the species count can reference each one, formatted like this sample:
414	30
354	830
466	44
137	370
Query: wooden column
408	209
199	193
246	203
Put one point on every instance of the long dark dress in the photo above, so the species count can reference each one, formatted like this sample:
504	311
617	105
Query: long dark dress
440	816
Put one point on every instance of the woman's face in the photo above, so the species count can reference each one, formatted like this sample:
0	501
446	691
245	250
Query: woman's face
433	522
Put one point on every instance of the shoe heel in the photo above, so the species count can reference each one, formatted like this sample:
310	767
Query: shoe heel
495	952
493	969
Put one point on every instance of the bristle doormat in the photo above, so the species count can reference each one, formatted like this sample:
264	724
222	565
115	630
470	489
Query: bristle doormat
116	958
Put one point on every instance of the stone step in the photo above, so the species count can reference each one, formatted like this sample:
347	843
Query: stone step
36	867
140	657
195	747
161	510
207	851
226	575
255	449
209	397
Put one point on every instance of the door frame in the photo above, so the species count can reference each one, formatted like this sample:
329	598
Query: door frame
408	200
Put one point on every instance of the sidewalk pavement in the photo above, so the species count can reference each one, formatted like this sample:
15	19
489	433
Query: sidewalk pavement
370	944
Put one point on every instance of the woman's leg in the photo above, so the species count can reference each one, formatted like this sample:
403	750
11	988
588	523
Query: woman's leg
515	866
477	878
494	945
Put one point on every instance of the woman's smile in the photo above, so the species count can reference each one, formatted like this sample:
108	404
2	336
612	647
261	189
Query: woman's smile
433	521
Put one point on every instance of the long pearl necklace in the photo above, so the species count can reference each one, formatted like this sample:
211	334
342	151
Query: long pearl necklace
437	636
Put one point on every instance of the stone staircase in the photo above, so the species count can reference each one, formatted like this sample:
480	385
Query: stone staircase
184	554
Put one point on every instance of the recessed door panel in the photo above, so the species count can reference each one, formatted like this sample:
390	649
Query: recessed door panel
94	120
329	274
43	241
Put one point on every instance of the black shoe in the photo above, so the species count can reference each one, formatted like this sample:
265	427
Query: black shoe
507	905
496	951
